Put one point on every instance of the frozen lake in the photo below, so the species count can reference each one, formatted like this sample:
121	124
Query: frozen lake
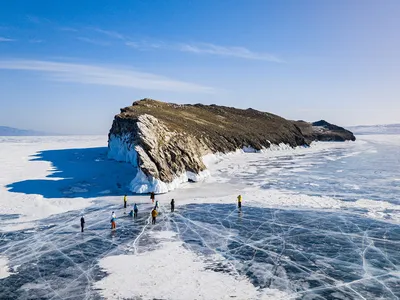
317	223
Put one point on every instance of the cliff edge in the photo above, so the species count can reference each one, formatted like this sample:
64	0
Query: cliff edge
167	142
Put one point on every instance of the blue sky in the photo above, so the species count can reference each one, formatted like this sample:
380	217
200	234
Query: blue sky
68	66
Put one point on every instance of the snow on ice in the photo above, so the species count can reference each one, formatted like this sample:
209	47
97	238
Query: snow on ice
4	270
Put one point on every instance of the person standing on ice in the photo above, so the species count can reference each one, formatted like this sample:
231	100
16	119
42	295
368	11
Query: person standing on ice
82	223
152	197
239	198
156	206
113	221
172	205
135	210
154	214
125	200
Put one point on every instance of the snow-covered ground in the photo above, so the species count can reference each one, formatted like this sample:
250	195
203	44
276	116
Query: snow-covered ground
48	182
42	176
18	158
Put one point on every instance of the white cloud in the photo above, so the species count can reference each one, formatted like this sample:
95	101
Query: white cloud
104	75
3	39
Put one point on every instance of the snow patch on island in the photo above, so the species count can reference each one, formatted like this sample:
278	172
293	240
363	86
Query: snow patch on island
142	183
120	149
272	147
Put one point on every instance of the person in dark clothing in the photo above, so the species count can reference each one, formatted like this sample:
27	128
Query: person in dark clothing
152	197
172	205
135	211
82	223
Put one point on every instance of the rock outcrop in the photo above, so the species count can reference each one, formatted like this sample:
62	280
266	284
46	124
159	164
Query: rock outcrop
324	131
167	142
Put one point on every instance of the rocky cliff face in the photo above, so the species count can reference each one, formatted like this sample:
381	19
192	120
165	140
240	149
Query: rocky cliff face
324	131
168	141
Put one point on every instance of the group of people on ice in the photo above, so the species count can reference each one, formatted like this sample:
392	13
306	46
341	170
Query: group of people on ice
134	212
154	213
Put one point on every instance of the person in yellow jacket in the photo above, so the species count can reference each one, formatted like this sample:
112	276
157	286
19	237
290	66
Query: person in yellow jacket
154	214
239	198
125	200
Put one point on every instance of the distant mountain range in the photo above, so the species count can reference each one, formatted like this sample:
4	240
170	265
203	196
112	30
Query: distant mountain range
10	131
375	129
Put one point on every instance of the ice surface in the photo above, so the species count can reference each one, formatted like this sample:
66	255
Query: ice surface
305	232
121	148
42	176
376	129
57	261
173	272
306	254
20	160
326	175
216	252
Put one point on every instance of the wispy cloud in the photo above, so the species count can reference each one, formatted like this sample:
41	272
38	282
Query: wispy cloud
206	48
3	39
104	75
93	41
37	20
240	52
196	48
143	45
113	34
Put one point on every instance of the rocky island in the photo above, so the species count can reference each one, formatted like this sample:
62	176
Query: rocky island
324	131
166	142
